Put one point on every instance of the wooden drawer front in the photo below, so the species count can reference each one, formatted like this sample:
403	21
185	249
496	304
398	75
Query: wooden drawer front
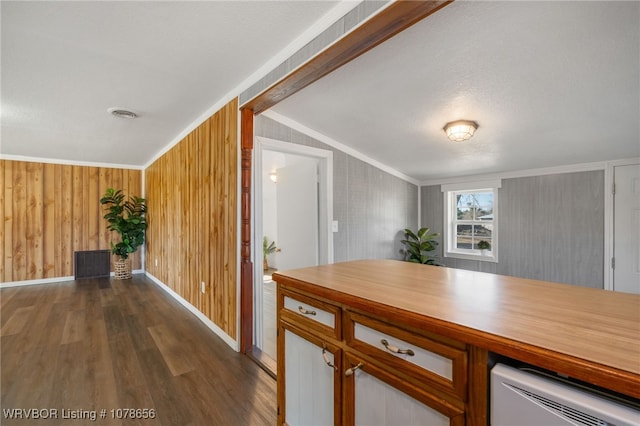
434	363
310	311
318	316
420	357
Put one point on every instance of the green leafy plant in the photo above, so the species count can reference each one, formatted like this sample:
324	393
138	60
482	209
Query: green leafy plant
127	218
417	245
484	245
267	248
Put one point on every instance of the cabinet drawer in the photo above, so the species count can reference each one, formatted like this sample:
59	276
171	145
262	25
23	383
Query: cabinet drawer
316	315
428	361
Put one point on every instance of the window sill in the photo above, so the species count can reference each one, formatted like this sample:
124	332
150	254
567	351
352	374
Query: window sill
491	257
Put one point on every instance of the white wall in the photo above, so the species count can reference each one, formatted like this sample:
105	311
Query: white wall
271	161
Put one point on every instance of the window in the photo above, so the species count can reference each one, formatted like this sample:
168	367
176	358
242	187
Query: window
471	212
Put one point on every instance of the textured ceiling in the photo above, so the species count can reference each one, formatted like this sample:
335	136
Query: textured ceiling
550	84
65	63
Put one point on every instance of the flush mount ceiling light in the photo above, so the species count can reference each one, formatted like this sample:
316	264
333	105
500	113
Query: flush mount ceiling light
460	130
122	113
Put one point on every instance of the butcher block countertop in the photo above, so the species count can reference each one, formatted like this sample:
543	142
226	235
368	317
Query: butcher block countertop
589	334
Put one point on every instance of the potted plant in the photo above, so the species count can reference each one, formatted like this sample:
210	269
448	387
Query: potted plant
127	218
267	249
484	246
417	245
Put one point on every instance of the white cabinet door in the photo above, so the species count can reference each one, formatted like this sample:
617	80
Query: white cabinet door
380	397
378	403
309	382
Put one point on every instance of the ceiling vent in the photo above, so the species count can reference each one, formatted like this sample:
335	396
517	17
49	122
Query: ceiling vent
122	113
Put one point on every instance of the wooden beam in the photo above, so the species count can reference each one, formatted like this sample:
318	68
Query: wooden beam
389	22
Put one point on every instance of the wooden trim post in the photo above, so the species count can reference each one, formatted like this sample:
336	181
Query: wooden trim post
246	266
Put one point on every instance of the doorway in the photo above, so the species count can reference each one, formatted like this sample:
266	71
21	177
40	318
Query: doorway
293	199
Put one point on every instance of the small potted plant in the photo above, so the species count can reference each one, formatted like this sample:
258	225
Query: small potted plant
418	245
484	246
267	249
127	218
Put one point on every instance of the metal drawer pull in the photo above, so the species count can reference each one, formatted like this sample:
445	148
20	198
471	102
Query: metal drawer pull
395	349
306	311
352	370
326	357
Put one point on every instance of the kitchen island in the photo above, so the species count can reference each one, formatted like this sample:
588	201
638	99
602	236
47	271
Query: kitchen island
426	333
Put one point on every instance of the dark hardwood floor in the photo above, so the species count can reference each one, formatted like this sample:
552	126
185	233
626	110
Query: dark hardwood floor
102	344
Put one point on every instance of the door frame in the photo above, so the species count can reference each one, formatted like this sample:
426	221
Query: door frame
609	180
325	210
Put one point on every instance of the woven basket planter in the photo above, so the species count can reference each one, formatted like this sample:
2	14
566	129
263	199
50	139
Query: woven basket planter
122	269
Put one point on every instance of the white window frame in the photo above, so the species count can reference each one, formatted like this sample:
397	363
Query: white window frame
450	214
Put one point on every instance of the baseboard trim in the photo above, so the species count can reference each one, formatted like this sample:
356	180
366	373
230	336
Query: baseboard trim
36	282
206	321
54	280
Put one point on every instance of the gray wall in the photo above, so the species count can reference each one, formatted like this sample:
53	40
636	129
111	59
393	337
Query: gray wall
371	206
549	228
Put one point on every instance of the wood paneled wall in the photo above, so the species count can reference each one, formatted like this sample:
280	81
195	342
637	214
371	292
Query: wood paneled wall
52	210
193	214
